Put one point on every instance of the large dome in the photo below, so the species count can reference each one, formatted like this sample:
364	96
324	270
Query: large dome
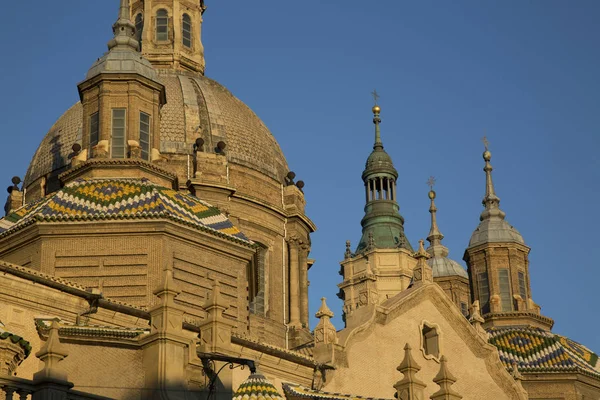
196	107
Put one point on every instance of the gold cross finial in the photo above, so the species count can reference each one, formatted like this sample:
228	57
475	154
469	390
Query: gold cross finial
375	96
485	142
431	182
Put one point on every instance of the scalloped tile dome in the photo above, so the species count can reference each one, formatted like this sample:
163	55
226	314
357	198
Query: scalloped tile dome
443	266
495	230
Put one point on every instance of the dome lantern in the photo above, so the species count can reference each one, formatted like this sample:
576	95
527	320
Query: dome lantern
382	221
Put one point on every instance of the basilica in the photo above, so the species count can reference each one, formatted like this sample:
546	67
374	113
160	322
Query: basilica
158	248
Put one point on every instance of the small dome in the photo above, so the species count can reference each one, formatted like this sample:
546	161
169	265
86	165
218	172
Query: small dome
495	230
257	387
443	266
379	159
196	107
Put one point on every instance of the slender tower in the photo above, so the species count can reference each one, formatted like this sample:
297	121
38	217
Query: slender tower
498	264
382	264
447	273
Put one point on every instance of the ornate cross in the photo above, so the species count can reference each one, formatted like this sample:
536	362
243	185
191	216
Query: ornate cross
375	96
485	142
431	182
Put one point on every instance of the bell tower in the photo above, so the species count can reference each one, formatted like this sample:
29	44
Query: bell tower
498	264
382	264
170	33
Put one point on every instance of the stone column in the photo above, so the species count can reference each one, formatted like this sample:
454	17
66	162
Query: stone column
294	283
303	260
389	190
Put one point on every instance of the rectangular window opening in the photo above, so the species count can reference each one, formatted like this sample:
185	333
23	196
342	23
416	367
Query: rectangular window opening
118	132
484	292
504	283
94	130
522	286
145	135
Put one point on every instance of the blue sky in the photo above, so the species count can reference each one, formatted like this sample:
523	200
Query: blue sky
523	72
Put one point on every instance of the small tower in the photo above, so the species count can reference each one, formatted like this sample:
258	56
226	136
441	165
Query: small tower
383	250
121	98
498	264
382	219
447	273
170	33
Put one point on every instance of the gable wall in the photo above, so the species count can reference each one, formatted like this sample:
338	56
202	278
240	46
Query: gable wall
374	355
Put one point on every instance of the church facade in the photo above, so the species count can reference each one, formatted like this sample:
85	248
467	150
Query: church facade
158	248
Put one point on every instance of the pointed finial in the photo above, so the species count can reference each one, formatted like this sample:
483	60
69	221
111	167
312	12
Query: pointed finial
124	30
435	236
377	120
324	310
445	380
348	253
409	363
325	332
490	201
421	253
422	274
371	244
409	387
51	353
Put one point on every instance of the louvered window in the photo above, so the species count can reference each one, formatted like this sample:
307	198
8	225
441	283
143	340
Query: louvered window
484	292
187	31
94	129
522	286
118	132
504	283
145	135
162	25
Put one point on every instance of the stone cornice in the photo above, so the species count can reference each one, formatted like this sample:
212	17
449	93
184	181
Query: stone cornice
518	318
275	351
116	163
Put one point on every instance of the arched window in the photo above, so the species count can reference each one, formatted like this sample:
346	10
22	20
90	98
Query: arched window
430	340
186	27
162	25
139	28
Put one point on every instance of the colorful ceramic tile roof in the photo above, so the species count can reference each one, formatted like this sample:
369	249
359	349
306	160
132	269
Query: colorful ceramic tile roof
537	350
257	387
297	391
115	199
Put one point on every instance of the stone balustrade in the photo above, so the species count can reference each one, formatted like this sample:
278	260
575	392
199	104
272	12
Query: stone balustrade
12	388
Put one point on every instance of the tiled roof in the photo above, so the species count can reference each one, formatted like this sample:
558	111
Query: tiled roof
67	329
116	199
293	391
537	350
257	387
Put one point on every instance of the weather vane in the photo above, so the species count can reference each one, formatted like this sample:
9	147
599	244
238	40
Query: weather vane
485	143
431	182
375	96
